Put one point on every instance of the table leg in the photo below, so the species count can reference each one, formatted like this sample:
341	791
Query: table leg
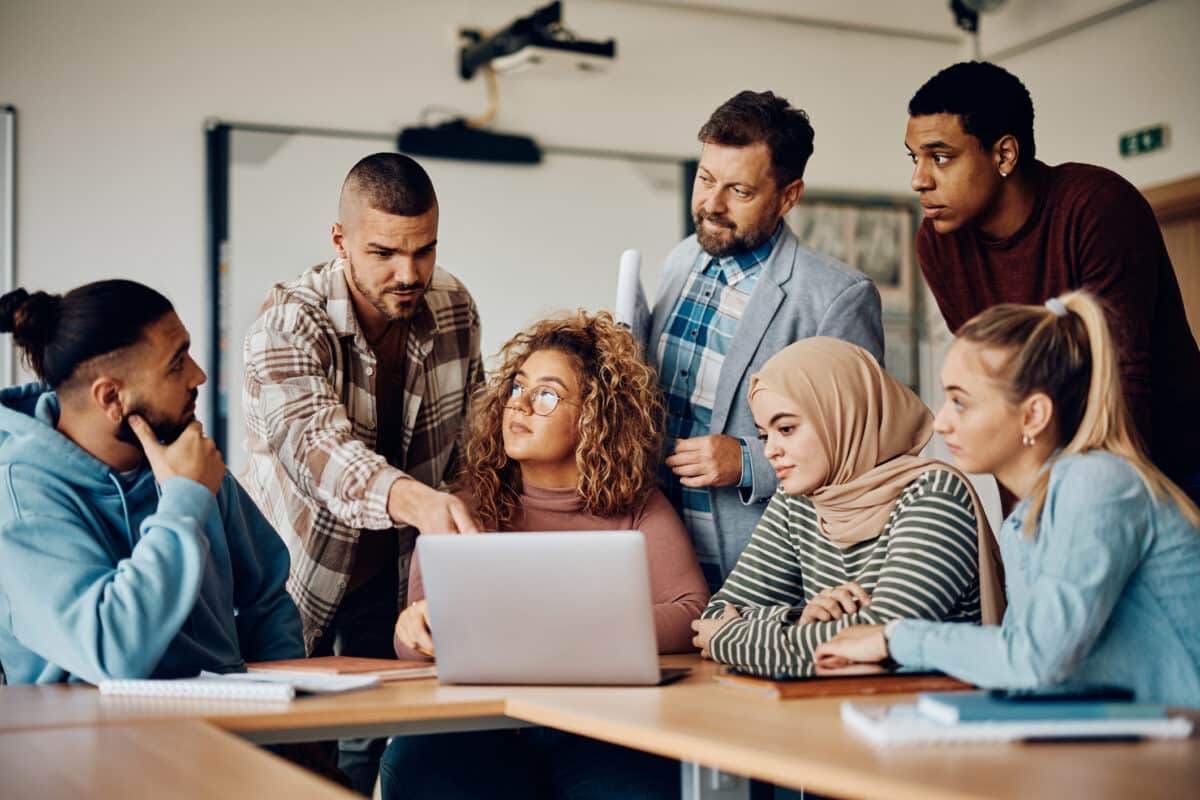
705	783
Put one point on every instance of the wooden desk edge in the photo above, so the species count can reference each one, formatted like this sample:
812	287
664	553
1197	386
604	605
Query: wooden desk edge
798	772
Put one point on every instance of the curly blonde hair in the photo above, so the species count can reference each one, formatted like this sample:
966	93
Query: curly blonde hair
620	421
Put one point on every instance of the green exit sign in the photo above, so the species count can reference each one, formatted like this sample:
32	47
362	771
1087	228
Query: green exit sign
1144	141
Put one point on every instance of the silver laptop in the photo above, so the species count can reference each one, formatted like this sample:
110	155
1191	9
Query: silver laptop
541	608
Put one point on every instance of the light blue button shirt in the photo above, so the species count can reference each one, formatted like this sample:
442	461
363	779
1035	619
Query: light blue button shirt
1107	591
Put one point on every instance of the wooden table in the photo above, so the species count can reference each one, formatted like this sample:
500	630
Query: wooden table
421	706
802	744
796	743
179	759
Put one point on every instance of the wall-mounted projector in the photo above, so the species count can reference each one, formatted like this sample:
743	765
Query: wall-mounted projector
457	140
536	40
531	41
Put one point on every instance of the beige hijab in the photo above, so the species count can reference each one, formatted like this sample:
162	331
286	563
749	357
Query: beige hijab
872	428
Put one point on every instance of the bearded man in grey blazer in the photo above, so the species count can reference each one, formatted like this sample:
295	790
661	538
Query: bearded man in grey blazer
731	296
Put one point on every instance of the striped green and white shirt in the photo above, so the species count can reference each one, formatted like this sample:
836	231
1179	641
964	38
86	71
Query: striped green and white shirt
924	565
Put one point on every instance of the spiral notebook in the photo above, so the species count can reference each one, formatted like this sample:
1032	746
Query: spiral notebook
275	685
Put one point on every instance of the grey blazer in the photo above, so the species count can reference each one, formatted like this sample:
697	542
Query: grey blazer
801	293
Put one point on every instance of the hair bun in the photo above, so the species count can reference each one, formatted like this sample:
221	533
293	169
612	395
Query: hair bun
10	304
31	318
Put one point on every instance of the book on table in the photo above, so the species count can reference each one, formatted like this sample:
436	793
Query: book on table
856	680
985	707
386	669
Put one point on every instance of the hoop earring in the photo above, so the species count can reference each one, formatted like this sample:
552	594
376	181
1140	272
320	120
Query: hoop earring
1028	441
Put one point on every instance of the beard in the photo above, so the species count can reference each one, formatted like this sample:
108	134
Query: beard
378	299
733	240
166	429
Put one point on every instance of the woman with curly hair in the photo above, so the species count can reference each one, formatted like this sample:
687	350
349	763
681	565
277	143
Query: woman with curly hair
566	435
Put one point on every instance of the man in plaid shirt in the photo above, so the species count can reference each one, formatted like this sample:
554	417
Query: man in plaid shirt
358	377
731	296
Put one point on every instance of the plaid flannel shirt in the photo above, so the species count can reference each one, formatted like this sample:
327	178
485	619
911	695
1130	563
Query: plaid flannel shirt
690	354
311	423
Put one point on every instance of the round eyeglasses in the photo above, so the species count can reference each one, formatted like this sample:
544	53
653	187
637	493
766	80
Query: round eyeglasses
542	399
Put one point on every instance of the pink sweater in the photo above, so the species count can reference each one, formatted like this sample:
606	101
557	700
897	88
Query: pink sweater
677	586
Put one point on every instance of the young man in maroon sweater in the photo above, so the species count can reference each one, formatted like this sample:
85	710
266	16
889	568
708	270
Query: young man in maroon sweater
1002	227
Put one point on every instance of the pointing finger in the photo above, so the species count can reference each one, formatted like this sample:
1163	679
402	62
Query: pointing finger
462	519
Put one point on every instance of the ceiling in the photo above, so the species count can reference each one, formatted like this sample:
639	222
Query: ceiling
1011	26
921	17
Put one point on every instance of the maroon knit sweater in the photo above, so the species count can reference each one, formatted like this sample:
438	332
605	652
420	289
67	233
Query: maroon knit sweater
1089	229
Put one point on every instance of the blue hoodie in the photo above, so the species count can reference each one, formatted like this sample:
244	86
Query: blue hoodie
111	576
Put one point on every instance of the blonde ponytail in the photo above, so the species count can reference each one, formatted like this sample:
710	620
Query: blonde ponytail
1073	359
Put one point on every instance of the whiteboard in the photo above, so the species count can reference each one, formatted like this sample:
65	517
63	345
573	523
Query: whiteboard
528	241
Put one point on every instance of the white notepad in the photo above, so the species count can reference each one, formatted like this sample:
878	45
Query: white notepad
275	685
904	724
205	688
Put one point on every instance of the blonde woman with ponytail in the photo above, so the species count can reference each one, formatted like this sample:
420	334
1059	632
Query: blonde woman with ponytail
1102	552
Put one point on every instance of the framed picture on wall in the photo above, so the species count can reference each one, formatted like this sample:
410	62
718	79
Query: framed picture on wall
874	235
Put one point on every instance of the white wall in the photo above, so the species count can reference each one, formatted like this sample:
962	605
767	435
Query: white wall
1127	72
112	97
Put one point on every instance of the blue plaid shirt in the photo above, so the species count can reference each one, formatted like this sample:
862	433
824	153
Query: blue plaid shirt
690	354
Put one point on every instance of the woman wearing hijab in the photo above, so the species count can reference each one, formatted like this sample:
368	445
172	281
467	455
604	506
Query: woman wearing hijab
861	530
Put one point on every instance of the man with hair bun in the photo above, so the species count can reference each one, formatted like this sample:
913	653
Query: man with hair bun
358	376
731	296
1002	227
127	550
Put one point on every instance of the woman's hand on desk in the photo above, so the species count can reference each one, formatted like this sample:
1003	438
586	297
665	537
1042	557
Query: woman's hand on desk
707	628
412	629
858	644
834	603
